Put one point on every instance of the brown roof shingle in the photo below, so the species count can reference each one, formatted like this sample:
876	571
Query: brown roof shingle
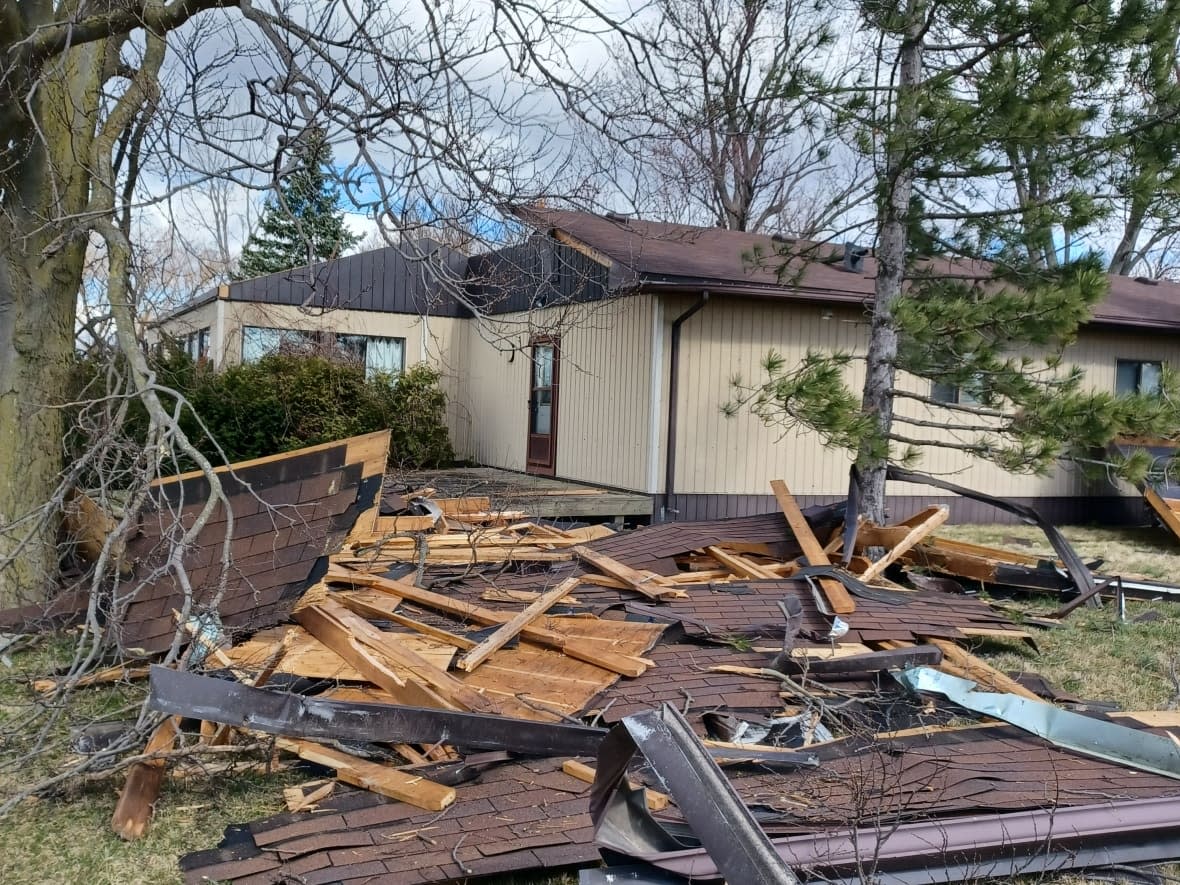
658	255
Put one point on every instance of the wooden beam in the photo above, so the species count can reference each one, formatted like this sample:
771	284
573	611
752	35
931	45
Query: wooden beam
914	536
741	566
373	667
392	525
137	801
656	801
117	673
508	630
589	251
461	506
420	669
648	583
625	665
363	449
979	670
376	606
839	599
373	776
1163	508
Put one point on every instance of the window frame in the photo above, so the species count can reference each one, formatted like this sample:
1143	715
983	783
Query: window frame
1137	366
316	338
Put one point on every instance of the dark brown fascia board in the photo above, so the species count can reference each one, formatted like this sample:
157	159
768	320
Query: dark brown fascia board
687	286
803	295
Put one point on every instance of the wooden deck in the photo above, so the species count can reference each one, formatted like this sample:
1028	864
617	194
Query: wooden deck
540	496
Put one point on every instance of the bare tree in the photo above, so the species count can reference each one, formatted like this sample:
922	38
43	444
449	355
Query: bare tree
714	120
110	109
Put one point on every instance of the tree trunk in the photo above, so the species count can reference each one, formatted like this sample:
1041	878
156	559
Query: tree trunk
892	250
1125	254
44	189
36	338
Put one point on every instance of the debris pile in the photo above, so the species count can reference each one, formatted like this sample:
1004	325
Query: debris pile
771	698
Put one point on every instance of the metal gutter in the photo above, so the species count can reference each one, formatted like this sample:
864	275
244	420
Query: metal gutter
970	848
1070	731
725	827
673	396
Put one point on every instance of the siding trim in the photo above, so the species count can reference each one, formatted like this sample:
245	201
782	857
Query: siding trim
655	397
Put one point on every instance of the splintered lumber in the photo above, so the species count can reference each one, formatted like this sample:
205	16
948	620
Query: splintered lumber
839	599
133	812
932	519
462	506
88	525
498	595
413	789
1167	509
381	607
978	670
305	656
392	525
387	646
297	800
374	667
741	566
508	630
648	583
625	665
1151	718
656	801
117	673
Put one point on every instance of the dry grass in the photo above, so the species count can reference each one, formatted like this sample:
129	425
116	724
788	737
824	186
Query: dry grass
67	839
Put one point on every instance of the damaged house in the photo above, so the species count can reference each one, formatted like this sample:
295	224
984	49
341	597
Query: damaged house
602	350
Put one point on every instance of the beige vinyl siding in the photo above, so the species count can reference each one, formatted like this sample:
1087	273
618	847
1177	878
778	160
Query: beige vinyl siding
603	390
497	391
740	455
202	317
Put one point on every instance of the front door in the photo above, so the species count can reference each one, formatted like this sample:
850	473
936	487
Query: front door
542	443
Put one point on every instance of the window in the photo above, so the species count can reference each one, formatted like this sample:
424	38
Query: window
196	344
952	393
258	341
1135	376
376	353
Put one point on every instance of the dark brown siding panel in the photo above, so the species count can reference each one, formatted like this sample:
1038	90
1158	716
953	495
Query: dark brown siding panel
1100	510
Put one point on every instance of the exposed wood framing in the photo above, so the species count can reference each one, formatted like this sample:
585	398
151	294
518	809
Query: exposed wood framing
509	629
839	599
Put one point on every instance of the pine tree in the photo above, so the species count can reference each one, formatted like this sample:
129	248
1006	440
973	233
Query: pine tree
303	223
985	142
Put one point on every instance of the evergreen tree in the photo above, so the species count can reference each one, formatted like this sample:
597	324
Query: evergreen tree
984	141
303	222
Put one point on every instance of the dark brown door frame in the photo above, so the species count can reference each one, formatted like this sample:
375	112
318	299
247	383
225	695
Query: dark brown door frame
541	448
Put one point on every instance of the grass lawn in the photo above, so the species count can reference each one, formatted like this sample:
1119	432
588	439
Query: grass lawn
66	839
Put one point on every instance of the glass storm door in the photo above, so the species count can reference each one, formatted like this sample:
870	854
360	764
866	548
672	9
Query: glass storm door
542	442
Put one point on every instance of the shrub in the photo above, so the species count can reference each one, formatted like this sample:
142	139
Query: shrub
288	401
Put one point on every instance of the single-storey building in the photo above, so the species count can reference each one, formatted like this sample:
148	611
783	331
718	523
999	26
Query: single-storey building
602	351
